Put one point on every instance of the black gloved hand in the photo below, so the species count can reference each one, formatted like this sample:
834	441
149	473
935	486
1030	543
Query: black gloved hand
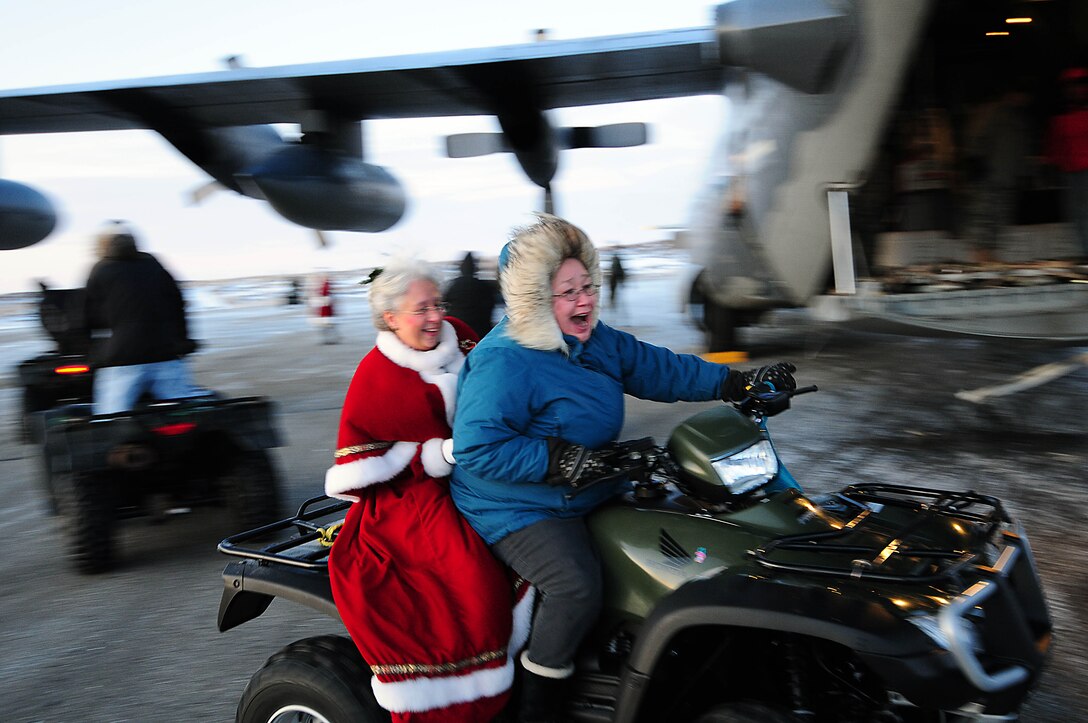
734	385
572	464
779	375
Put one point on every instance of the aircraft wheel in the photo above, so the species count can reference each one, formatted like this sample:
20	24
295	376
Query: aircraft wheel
721	327
315	680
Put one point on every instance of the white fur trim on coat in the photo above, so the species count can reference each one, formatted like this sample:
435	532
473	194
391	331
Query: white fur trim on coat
434	462
439	366
523	622
420	694
526	281
340	479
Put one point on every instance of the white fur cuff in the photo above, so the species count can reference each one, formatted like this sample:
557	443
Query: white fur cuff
341	479
433	458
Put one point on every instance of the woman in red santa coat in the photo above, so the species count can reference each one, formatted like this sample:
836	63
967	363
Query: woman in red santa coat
435	615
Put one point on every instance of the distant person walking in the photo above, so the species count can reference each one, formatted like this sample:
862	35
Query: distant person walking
136	318
470	299
1067	148
324	308
616	277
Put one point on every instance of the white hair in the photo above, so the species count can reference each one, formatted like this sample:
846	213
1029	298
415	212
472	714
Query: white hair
392	284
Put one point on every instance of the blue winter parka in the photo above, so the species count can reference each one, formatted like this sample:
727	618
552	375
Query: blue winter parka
511	399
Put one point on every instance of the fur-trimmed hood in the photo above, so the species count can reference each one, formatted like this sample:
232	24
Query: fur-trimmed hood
526	267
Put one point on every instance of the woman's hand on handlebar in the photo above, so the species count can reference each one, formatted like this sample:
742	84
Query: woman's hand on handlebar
739	386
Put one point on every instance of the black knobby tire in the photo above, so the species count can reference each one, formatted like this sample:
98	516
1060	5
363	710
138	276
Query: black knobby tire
49	488
721	327
747	711
251	490
318	680
89	514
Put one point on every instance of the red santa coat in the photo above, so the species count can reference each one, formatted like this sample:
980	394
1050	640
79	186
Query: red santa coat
419	591
321	302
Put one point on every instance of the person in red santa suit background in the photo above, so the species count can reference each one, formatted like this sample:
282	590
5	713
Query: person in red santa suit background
323	307
435	615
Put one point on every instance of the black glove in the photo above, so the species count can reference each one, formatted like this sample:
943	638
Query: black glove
572	464
778	375
734	385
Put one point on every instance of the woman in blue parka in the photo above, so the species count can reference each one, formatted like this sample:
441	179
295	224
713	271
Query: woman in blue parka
536	396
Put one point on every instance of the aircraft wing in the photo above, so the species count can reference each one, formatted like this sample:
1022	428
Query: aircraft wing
548	74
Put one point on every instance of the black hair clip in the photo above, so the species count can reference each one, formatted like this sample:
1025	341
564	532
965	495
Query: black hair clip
373	275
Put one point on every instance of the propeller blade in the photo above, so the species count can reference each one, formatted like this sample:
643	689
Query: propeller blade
470	145
615	135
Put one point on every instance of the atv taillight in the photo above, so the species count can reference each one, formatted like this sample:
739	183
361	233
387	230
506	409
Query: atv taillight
173	430
72	369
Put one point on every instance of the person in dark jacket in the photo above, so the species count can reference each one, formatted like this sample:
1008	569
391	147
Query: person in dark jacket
544	389
470	299
136	317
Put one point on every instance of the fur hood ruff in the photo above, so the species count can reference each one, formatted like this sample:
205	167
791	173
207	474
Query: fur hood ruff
526	267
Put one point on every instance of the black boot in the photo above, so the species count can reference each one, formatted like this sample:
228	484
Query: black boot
542	699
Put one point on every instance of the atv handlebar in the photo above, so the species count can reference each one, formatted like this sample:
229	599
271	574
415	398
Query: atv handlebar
763	400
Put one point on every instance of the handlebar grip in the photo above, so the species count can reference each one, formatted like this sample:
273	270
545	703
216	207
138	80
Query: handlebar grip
804	390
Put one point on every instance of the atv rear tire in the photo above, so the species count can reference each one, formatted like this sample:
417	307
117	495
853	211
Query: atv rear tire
49	486
747	711
315	680
251	490
88	507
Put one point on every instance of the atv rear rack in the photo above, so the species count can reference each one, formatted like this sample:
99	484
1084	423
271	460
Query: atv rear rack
926	503
314	527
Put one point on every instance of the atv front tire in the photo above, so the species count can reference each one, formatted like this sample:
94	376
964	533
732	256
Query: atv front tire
87	505
314	680
251	490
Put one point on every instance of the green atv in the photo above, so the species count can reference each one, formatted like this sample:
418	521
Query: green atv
729	596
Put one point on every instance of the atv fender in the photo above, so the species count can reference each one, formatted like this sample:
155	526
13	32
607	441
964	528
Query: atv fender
249	587
733	600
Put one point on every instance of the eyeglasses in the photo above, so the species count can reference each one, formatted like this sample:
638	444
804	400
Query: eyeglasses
441	307
573	294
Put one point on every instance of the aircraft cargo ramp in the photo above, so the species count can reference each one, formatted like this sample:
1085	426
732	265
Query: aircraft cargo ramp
924	285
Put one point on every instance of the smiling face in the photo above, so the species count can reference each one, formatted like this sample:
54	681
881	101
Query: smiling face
575	316
420	331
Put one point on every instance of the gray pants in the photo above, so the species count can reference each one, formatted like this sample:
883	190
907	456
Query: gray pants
558	557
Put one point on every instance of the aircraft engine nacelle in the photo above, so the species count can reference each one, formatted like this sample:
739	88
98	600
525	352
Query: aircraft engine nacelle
26	216
328	190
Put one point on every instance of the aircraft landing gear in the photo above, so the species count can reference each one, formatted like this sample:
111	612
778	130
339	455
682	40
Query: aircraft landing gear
720	326
719	323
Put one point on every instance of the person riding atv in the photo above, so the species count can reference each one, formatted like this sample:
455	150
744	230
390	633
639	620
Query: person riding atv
135	314
151	444
725	597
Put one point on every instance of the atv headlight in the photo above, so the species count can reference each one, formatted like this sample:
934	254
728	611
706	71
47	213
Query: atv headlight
748	469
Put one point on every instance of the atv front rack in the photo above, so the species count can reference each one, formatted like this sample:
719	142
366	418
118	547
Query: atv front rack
300	541
925	504
999	600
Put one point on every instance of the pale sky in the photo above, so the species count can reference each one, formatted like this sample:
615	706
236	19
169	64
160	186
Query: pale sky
617	195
